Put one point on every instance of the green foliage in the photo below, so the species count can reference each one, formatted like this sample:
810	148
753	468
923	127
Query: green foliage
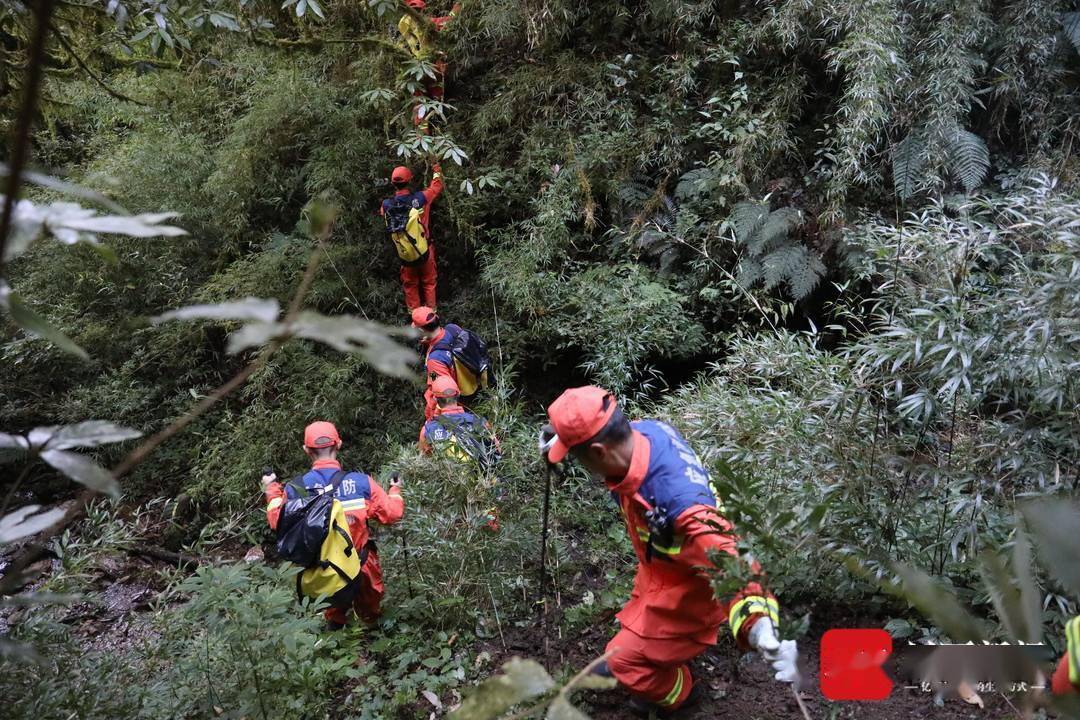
235	646
592	177
771	255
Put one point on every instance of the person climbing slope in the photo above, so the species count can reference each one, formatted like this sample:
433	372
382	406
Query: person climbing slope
451	352
671	515
456	433
419	41
362	500
407	215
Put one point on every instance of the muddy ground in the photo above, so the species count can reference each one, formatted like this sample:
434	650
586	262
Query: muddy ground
736	685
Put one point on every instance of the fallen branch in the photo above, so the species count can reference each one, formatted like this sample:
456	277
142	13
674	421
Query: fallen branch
156	553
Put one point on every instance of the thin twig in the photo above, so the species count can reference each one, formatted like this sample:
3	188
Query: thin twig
144	450
704	253
20	150
86	68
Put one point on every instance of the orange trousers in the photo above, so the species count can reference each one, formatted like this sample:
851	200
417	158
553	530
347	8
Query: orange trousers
368	598
1060	683
654	669
418	282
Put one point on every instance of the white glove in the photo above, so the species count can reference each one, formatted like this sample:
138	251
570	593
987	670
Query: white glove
267	479
782	656
546	440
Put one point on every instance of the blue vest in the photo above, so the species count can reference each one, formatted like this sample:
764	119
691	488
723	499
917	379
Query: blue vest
441	350
451	433
415	199
354	492
676	479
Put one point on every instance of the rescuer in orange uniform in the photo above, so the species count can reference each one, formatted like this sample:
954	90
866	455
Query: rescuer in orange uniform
438	360
418	280
419	42
1067	676
671	514
361	498
461	435
455	431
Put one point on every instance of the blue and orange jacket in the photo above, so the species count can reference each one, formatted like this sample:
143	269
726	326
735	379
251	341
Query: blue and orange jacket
421	199
458	433
361	498
672	596
438	360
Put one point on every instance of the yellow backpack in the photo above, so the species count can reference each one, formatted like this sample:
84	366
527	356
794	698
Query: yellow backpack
404	224
313	532
337	574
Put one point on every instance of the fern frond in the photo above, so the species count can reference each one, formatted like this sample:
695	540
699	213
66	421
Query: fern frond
776	228
969	158
803	282
909	162
1071	23
695	183
748	272
746	218
781	263
633	193
794	265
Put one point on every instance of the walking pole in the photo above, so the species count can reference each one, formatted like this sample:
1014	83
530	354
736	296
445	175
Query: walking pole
394	477
544	536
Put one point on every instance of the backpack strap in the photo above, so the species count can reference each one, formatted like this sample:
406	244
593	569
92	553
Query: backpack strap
348	539
297	484
335	481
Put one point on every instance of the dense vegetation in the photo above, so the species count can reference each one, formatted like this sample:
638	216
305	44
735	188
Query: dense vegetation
833	241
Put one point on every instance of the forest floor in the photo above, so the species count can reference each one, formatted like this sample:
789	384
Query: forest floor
737	685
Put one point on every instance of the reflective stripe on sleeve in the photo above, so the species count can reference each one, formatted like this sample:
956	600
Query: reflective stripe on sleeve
644	535
357	504
1072	636
750	606
276	502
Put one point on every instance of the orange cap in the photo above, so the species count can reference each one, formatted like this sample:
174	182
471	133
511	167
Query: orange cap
577	415
321	434
422	316
401	174
444	387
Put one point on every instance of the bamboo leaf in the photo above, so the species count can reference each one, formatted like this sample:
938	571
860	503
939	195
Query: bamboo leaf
27	521
82	470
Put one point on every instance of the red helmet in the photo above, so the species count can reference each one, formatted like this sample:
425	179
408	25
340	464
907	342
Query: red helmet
401	175
444	387
416	4
422	316
321	434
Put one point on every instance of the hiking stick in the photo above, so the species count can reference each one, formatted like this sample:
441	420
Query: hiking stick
394	478
544	534
798	699
408	565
